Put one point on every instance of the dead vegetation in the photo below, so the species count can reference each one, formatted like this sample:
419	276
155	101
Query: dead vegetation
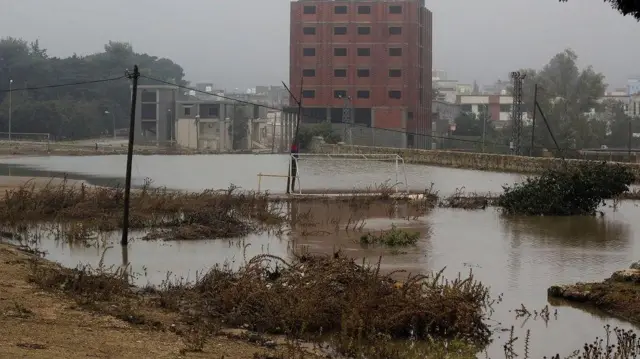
310	297
395	237
174	215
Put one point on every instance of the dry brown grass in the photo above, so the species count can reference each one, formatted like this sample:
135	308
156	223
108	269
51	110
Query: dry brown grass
180	215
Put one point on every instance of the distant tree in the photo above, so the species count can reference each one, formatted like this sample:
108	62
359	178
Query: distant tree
324	130
72	111
567	95
468	124
625	7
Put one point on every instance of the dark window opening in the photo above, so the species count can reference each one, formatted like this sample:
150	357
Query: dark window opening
309	10
364	94
364	73
364	30
148	96
340	51
364	10
187	111
395	9
340	30
395	73
341	9
214	111
364	51
309	51
394	94
308	93
395	51
309	30
340	73
339	93
148	111
309	73
395	30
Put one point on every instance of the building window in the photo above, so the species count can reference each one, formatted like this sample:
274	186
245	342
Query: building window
364	51
340	51
364	73
395	73
505	108
364	30
341	9
395	9
148	111
364	94
308	93
339	93
309	10
465	108
187	111
394	94
309	73
309	51
148	96
395	51
395	30
309	30
213	112
340	73
364	10
340	30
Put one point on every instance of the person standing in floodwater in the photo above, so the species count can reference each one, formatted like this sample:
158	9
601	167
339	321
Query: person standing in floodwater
294	165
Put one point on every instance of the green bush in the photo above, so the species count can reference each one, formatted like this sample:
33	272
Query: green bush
575	190
324	130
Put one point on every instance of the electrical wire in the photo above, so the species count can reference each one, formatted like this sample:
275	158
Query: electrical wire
62	85
355	125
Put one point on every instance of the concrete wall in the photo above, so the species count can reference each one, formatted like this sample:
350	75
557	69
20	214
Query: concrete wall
468	160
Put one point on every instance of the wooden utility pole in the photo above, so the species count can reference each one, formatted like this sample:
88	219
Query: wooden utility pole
132	125
533	120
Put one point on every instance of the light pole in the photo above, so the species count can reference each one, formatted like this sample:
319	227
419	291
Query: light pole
113	117
10	107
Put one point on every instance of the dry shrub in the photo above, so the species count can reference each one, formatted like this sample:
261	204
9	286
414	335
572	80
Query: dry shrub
207	214
462	200
322	294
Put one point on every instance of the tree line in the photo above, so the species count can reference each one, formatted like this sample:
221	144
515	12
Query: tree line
72	112
572	100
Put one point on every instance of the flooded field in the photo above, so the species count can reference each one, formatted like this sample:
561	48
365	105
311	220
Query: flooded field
517	257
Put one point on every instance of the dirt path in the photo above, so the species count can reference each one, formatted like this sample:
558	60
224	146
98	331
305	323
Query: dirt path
39	324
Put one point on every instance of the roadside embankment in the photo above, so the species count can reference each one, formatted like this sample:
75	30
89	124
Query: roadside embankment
466	160
618	295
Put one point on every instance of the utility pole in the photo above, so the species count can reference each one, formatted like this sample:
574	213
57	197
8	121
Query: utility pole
516	114
132	124
10	106
273	135
533	123
484	125
346	120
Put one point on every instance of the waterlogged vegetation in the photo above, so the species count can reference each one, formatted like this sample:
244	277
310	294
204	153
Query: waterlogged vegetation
577	189
308	305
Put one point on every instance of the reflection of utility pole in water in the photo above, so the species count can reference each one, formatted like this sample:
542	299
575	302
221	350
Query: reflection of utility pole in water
125	260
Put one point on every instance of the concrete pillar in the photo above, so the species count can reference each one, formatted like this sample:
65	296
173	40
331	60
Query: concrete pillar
221	137
249	134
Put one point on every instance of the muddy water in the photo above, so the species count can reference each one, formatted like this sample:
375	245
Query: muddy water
219	171
517	257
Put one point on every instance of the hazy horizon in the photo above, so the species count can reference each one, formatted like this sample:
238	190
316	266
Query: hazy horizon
245	43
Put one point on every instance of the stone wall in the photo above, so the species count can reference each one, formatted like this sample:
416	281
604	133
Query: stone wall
467	160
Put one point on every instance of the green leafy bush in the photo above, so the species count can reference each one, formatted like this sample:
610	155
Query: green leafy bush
574	190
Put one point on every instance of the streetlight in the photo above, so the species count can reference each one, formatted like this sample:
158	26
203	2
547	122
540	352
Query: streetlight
113	117
10	107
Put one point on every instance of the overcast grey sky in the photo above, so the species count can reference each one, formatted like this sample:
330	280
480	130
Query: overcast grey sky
242	43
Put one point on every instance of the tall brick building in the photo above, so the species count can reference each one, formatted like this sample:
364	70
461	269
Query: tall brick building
377	52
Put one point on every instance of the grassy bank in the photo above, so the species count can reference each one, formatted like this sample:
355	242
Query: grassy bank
618	295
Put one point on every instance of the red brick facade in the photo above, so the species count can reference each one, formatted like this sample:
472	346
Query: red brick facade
390	39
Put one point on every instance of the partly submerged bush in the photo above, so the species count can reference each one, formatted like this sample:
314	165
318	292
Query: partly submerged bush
393	238
574	190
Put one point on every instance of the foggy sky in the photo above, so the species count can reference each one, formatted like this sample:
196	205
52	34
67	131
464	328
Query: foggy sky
243	43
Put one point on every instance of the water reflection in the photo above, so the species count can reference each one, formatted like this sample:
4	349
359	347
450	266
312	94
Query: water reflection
518	257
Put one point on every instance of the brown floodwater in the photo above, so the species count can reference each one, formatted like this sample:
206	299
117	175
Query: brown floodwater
517	257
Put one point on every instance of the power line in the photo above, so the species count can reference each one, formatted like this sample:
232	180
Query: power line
356	125
61	85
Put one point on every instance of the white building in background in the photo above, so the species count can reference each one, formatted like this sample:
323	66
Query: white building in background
498	107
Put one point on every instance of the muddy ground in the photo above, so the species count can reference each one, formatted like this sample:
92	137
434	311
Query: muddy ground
39	324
